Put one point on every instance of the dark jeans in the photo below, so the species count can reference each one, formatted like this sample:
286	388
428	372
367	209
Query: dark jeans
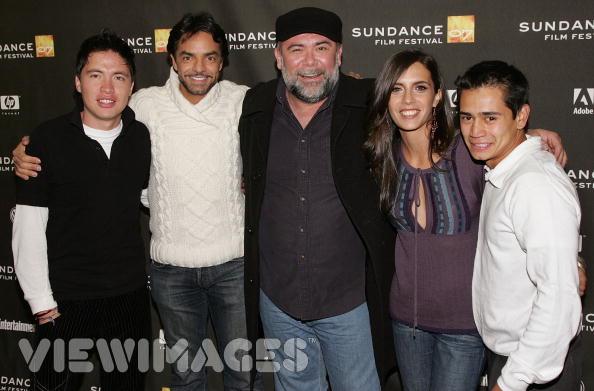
120	317
568	380
185	298
436	361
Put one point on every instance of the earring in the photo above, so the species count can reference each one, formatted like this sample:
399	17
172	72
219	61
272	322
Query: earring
433	124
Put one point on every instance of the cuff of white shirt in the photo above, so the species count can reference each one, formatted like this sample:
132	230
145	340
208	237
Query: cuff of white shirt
508	382
42	303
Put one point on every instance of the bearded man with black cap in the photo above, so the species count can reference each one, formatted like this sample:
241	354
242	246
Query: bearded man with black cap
318	251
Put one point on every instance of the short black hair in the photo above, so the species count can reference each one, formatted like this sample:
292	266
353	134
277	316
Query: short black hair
497	74
191	24
106	40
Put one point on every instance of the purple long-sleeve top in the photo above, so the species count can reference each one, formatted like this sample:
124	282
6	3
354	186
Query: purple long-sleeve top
431	289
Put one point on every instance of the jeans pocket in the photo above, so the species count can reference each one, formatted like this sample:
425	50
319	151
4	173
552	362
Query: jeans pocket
159	266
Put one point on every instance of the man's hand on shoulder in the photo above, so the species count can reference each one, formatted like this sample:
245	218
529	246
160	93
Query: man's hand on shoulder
25	166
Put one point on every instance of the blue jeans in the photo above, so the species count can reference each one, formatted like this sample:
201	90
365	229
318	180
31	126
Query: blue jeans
185	297
436	361
339	344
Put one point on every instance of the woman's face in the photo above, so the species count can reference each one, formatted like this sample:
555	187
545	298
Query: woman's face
413	99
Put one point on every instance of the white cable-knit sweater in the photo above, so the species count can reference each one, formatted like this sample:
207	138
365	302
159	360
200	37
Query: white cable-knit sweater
194	191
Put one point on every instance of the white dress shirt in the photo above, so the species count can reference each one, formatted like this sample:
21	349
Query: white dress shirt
525	284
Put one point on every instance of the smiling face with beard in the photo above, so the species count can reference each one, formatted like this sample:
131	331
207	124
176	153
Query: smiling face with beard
310	65
198	63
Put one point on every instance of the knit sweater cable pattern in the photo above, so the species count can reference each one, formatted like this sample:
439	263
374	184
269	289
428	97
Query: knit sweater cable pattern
195	198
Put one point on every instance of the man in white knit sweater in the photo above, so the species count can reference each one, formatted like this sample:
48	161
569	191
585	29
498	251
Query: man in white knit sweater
195	199
196	204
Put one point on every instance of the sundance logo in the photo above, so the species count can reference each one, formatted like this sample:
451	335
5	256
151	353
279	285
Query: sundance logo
161	39
44	46
41	46
6	164
140	45
583	101
10	383
10	104
7	273
560	30
582	179
588	322
251	40
461	29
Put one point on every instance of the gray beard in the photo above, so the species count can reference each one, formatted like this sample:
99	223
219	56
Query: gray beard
321	93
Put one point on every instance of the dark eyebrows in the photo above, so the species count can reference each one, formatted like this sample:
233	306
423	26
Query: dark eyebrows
186	53
483	113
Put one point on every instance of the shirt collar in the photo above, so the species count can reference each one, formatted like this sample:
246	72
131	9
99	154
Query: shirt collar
498	175
127	117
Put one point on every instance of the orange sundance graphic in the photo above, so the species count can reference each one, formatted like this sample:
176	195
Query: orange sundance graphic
161	38
461	29
44	46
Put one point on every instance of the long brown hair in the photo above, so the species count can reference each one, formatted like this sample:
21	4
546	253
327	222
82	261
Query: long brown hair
383	132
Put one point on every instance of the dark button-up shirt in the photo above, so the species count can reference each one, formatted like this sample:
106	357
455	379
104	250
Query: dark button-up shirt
312	259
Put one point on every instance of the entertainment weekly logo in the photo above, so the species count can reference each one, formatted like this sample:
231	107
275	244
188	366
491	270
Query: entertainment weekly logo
11	383
560	30
251	40
41	46
16	325
458	29
583	101
149	44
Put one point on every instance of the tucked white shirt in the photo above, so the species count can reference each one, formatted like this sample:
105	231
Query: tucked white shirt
525	284
29	244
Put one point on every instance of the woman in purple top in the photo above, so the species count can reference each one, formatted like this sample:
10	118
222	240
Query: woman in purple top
431	190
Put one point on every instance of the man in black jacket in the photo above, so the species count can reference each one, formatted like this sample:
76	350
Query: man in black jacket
318	252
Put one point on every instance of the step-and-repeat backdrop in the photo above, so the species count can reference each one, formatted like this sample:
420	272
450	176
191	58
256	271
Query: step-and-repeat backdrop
551	41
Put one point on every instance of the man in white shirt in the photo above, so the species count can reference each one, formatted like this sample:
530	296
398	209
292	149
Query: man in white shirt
525	284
